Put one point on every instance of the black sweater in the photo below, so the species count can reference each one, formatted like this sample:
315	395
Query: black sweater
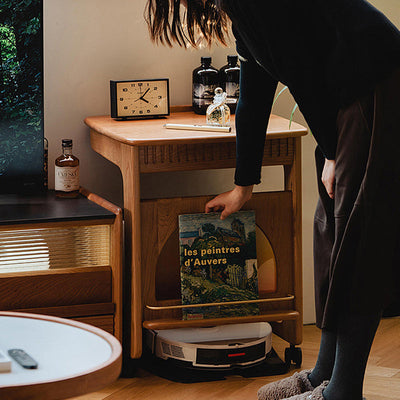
328	52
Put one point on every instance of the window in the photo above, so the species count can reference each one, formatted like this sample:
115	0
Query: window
21	94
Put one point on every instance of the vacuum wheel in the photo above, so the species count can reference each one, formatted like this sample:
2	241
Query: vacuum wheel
294	354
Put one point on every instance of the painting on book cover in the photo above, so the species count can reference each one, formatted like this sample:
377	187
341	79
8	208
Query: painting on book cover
218	263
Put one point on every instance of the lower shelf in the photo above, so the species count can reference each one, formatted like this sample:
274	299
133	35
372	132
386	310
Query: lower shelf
157	324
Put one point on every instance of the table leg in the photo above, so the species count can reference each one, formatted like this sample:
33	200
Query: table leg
131	179
294	329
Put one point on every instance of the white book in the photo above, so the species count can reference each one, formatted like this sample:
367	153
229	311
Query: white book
5	362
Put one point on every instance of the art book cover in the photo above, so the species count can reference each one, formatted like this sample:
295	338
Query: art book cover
218	264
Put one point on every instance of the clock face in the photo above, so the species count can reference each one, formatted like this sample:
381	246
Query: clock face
138	99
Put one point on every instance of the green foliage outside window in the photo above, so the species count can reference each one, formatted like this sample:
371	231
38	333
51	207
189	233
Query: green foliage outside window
21	97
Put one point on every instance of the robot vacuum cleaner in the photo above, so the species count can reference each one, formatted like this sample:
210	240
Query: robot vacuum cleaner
218	347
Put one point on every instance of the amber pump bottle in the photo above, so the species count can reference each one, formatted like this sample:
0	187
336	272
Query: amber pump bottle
67	172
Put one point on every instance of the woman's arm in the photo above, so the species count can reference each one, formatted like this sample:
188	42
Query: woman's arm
328	177
351	15
231	201
257	90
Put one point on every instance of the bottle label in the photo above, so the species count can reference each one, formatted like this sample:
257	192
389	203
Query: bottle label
232	91
203	95
66	179
230	100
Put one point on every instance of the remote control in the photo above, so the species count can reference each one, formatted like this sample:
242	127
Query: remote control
22	358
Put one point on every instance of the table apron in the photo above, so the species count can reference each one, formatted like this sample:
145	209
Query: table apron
189	157
186	157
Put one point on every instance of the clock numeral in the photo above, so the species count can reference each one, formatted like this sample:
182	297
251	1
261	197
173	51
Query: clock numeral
133	111
156	106
124	89
160	97
140	84
140	112
155	88
121	99
132	85
125	108
148	84
148	111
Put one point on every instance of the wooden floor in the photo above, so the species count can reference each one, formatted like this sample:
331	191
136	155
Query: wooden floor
382	380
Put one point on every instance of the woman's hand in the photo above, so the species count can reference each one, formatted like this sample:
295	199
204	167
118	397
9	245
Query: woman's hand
230	202
328	177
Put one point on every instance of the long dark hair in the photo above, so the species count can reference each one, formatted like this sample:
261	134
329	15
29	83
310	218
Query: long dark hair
202	18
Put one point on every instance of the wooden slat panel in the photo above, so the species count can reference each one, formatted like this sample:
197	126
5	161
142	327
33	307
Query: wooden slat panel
59	289
52	248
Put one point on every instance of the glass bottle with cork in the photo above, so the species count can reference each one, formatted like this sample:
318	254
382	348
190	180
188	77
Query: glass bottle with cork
218	113
67	172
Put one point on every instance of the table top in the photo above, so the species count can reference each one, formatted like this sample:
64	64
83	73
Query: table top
73	358
151	131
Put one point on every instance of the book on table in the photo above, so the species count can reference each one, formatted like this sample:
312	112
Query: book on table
218	263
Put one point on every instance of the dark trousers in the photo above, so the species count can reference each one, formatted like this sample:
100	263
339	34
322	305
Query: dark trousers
356	234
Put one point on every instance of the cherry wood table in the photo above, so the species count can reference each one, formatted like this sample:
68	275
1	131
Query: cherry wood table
73	358
145	146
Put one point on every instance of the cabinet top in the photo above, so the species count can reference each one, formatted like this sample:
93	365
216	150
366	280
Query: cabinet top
45	207
151	131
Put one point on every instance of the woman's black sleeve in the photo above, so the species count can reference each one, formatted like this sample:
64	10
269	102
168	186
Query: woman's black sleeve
352	15
257	90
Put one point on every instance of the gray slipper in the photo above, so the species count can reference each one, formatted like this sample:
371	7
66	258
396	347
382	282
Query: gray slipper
316	394
293	385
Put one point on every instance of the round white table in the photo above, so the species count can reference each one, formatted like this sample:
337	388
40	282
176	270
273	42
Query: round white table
73	358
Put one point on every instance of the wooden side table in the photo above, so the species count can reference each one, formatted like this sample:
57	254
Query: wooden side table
73	358
145	146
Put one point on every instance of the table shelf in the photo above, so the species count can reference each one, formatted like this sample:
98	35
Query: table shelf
158	324
225	303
